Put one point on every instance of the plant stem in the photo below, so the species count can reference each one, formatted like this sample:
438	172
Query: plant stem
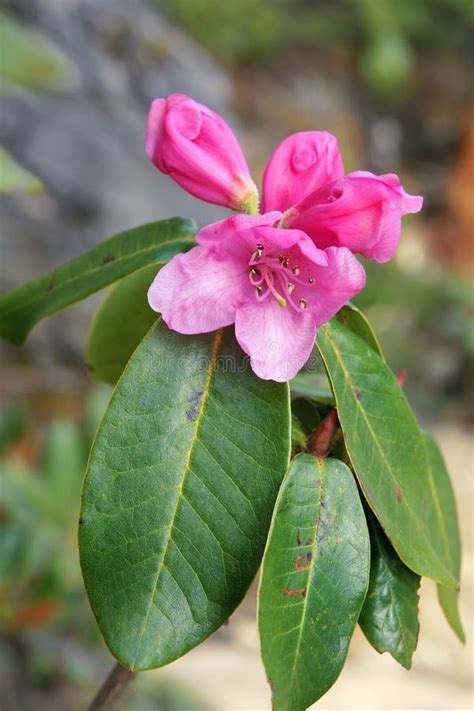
112	688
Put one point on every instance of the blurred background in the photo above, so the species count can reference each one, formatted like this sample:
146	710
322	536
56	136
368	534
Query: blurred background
392	80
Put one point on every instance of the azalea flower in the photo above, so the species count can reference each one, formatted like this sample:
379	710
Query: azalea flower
274	284
279	275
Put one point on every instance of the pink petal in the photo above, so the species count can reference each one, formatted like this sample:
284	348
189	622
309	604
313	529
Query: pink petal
198	291
361	211
337	283
212	235
301	164
278	340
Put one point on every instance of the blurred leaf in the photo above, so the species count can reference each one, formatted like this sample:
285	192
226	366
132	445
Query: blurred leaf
14	178
314	579
29	59
12	425
181	482
63	462
387	451
450	535
119	325
109	261
389	617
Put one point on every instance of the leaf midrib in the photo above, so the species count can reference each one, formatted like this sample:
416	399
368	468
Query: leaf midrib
322	473
179	492
375	439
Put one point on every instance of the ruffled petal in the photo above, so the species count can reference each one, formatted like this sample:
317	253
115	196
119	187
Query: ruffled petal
337	283
301	164
278	340
199	291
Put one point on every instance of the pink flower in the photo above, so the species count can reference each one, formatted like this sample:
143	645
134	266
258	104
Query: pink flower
196	147
361	211
274	284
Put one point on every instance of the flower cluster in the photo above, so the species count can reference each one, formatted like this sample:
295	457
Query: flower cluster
279	274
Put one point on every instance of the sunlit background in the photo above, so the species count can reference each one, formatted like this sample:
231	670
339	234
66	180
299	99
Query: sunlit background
392	81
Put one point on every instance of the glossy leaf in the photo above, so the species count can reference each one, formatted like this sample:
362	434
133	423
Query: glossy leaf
23	307
177	501
353	318
314	579
450	535
389	617
387	451
119	325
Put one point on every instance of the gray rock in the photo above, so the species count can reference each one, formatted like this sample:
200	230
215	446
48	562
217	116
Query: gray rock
86	145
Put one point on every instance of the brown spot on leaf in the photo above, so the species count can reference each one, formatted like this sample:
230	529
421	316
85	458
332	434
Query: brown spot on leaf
294	593
298	539
358	393
398	493
303	561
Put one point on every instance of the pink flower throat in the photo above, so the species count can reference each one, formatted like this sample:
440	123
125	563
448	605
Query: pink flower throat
278	277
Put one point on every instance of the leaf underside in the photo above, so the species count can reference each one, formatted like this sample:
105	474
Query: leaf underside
314	579
178	495
387	452
107	262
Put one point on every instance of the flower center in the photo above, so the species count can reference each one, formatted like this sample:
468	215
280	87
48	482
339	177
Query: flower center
278	277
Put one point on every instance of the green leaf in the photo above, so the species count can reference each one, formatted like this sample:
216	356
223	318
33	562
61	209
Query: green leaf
23	307
307	412
314	579
179	492
30	59
389	617
353	318
312	385
14	178
450	536
387	451
119	325
298	436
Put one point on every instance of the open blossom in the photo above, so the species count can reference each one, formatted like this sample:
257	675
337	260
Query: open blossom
195	147
274	284
361	211
278	275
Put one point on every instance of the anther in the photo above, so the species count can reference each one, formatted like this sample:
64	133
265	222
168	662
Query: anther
311	280
258	290
291	287
295	271
303	304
